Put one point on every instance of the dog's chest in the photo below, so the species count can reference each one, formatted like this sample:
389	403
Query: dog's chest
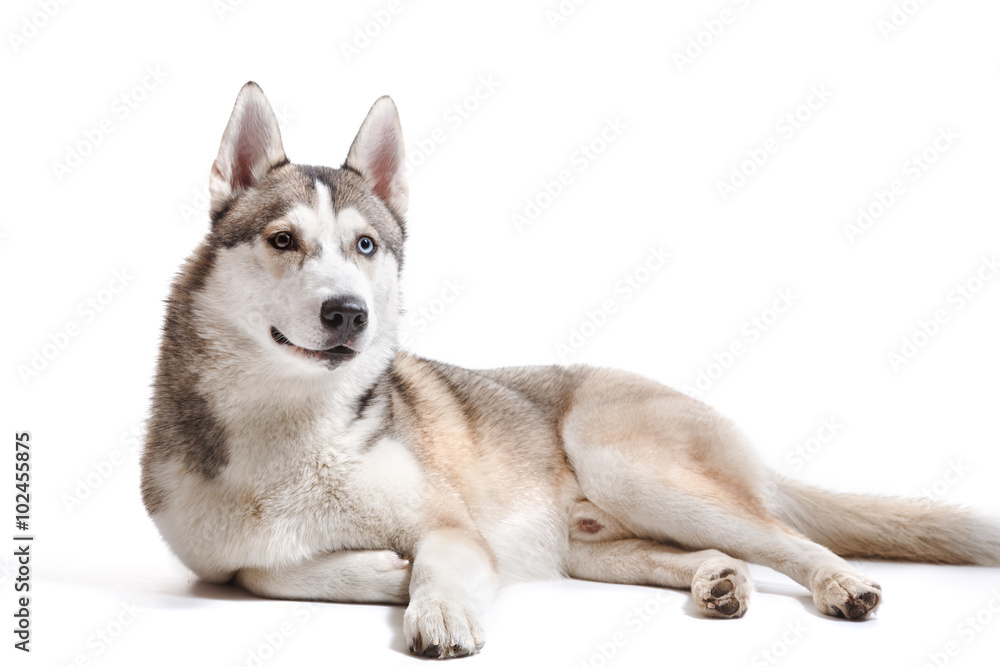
317	495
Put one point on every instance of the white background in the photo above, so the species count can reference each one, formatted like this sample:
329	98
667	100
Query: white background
134	204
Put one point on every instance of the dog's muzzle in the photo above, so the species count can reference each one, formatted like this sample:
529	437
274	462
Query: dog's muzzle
344	319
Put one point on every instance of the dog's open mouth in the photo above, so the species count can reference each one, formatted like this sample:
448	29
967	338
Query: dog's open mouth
335	354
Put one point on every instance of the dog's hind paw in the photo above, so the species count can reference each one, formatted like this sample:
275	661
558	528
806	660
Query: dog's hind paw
846	595
721	588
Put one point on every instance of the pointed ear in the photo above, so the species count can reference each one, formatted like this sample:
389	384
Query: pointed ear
251	145
378	155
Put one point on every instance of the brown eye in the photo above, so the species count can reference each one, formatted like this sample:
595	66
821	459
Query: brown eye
282	241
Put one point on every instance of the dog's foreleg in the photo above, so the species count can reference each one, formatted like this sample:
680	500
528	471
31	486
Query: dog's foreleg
454	580
341	576
720	585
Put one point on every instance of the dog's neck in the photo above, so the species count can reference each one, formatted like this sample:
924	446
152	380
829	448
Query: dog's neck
255	391
249	384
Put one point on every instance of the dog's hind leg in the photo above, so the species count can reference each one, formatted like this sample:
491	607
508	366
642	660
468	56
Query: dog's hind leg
720	585
669	469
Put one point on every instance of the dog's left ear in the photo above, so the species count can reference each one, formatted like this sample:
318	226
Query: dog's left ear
379	156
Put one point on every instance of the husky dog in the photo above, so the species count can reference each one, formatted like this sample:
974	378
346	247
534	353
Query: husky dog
294	448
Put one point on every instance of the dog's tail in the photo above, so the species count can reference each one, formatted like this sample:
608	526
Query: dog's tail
864	526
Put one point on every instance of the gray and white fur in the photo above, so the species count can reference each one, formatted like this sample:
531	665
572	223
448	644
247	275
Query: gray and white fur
294	448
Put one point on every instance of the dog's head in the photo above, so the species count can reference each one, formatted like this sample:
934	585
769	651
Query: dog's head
307	259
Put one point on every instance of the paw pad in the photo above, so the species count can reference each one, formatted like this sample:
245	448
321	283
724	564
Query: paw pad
721	589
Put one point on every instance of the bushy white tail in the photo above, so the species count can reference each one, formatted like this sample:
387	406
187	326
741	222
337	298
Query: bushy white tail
863	526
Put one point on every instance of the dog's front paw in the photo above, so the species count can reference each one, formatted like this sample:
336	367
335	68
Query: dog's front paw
439	627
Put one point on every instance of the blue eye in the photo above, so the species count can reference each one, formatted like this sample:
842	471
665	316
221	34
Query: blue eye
366	246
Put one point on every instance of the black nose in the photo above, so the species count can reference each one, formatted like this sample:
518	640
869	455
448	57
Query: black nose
347	315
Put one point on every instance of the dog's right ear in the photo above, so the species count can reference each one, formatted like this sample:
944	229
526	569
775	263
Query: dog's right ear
250	147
